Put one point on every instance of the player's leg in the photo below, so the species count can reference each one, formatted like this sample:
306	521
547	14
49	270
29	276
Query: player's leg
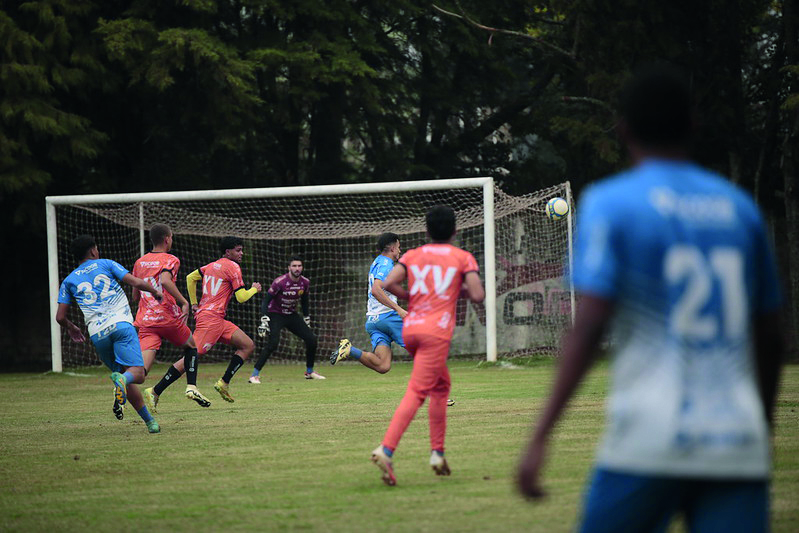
437	411
276	323
423	377
627	502
178	336
127	352
150	342
382	333
297	326
244	348
728	506
104	346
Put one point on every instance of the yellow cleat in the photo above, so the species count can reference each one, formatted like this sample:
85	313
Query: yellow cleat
222	388
193	394
450	402
342	353
150	400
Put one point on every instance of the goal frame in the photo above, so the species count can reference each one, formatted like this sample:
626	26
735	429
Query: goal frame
489	247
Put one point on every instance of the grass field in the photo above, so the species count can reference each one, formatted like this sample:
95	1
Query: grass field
293	455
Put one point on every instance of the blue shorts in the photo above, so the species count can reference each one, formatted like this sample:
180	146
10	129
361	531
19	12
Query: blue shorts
385	329
118	346
629	502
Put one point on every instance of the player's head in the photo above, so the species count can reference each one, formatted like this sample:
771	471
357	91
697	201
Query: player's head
84	247
232	248
161	235
440	221
656	109
388	244
295	267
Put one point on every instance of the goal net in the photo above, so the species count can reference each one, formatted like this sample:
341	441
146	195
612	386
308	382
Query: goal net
335	233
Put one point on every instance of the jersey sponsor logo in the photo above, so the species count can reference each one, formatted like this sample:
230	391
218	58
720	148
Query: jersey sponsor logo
697	208
217	266
86	270
212	284
146	264
441	280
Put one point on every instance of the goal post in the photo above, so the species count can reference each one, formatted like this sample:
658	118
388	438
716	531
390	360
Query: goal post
335	227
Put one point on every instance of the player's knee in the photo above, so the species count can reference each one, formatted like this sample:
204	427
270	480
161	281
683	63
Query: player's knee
138	373
311	342
383	367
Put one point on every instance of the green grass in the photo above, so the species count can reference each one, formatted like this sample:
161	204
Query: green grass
293	455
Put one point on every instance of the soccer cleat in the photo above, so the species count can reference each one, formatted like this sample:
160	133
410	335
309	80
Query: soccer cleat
120	392
385	464
118	410
150	400
193	394
314	375
342	353
153	427
222	388
450	402
255	380
439	464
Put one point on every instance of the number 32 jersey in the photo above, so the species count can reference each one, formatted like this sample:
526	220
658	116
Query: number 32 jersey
94	285
685	258
435	276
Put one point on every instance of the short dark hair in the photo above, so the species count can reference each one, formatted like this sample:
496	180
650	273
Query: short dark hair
656	106
159	233
80	246
228	243
440	221
386	240
295	258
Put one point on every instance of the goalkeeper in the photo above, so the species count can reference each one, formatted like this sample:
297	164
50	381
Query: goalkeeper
279	310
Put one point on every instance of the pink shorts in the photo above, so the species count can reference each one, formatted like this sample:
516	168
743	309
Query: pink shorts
150	337
208	333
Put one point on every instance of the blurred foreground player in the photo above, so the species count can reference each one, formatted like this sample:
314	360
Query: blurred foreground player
94	286
679	259
436	274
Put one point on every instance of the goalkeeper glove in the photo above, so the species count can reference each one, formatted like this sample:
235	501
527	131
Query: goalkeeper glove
263	329
307	320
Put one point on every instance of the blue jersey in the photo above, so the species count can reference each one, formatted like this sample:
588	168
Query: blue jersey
94	285
380	268
684	255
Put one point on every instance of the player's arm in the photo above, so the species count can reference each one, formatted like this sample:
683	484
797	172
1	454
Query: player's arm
136	294
378	291
169	286
393	280
242	294
474	287
142	285
579	349
191	285
61	317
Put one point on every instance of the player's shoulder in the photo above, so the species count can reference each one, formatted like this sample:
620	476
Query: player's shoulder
280	279
304	280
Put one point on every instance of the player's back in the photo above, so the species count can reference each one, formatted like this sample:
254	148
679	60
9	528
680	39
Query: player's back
151	312
221	279
435	276
379	270
95	287
683	254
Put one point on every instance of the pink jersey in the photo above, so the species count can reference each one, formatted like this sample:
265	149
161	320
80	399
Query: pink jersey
435	276
152	312
221	279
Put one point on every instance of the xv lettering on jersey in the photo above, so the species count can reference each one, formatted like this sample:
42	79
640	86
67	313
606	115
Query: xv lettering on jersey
212	283
441	280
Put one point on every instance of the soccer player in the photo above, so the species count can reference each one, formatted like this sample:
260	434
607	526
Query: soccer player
165	320
279	310
94	285
383	314
436	273
222	279
676	261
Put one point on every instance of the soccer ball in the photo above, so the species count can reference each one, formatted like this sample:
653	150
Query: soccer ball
557	208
